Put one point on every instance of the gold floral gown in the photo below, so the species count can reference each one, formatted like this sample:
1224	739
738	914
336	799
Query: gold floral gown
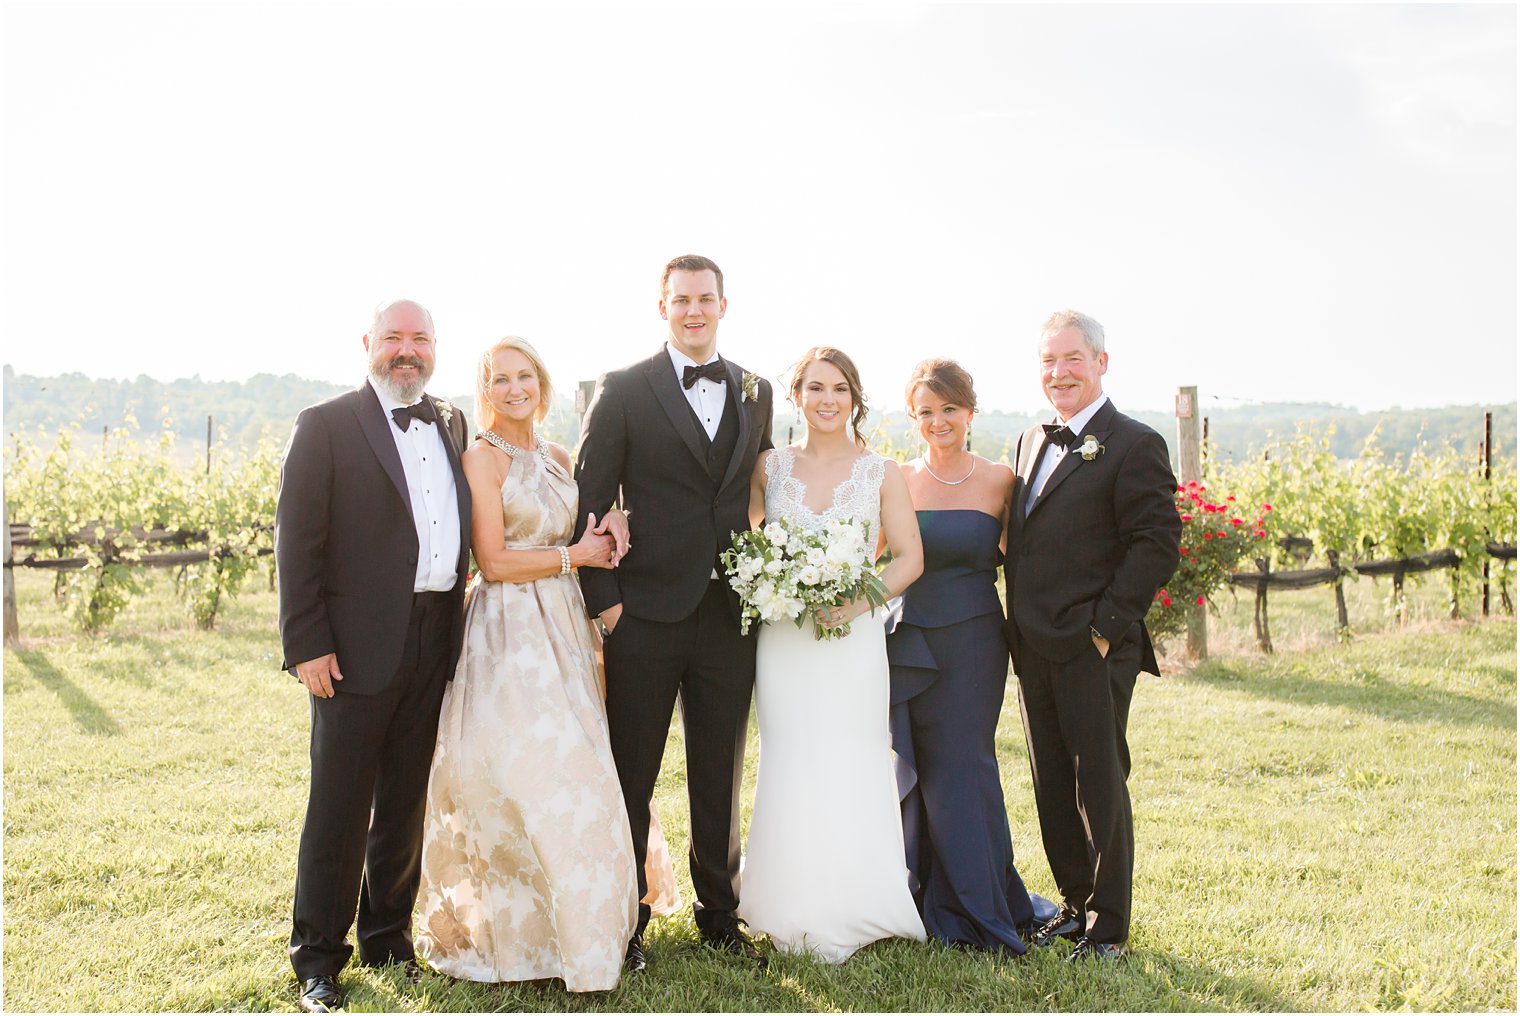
527	863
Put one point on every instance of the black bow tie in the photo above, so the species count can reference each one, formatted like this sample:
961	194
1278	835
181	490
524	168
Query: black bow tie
422	412
712	371
1057	433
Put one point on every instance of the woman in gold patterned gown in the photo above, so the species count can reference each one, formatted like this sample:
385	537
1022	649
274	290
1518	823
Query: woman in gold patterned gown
527	865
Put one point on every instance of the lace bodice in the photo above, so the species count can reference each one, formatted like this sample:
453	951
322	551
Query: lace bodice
857	496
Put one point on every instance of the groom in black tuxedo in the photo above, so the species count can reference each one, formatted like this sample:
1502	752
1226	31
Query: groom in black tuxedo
1093	534
675	437
372	544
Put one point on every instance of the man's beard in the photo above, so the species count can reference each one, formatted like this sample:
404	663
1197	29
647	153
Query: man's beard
380	374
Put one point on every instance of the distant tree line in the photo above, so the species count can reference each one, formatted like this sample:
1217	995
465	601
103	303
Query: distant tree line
265	406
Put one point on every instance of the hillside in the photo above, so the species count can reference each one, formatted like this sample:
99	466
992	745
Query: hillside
264	406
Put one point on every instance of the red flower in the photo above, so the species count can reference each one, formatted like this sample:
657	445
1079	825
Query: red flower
1200	599
1236	522
1208	536
1166	601
1266	507
1186	517
1230	497
1223	534
1194	560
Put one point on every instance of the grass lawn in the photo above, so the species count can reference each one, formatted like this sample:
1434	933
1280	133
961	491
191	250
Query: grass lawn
1329	828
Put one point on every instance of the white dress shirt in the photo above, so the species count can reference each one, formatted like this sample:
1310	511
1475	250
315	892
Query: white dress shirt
1054	453
706	397
435	504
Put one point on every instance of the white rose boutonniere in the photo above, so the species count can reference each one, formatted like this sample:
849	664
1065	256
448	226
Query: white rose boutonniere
445	410
750	385
1090	448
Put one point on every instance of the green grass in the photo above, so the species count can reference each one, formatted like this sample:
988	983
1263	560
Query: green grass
1328	828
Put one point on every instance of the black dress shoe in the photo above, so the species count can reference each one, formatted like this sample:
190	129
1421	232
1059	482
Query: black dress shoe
411	972
634	961
1103	952
321	994
1066	924
732	939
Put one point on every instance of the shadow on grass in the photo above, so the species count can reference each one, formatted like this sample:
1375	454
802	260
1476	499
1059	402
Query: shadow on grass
91	717
888	977
1367	690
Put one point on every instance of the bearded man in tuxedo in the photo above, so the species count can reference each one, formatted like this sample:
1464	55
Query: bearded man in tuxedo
371	543
676	437
1093	534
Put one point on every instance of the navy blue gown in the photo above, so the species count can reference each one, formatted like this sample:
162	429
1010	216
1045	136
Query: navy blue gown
949	668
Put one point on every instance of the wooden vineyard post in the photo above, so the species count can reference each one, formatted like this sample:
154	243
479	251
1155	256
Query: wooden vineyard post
12	625
1190	468
1488	475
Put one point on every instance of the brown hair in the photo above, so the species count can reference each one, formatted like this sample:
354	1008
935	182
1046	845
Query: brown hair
946	379
691	263
485	416
846	367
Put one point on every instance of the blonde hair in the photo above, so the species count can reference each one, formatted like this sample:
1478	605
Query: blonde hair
485	416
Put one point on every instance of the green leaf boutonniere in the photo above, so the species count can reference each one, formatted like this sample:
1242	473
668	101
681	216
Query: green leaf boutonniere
750	384
1090	448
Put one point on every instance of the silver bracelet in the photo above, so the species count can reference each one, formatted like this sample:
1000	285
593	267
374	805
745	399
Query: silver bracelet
564	560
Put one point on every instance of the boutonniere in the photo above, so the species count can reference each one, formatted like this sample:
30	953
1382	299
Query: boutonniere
750	385
445	411
1090	448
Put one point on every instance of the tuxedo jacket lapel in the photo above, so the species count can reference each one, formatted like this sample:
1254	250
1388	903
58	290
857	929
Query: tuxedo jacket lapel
667	392
461	485
736	399
376	426
1099	427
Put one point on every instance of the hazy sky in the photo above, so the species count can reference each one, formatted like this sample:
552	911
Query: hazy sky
1270	202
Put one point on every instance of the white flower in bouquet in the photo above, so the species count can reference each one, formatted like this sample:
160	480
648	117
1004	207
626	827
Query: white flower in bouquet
783	571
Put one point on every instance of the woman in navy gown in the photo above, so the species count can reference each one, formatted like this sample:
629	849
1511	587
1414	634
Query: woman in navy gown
949	669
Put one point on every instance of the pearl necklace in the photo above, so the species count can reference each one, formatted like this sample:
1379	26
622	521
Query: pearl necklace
949	483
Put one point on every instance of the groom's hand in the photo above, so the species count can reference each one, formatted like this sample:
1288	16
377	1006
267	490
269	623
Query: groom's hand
611	616
318	675
615	524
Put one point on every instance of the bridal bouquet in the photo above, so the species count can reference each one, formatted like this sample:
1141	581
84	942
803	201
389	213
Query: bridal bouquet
782	572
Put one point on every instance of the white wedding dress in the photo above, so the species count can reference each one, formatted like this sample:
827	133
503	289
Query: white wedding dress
824	870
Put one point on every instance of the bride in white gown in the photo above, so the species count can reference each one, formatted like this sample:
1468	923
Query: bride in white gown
824	871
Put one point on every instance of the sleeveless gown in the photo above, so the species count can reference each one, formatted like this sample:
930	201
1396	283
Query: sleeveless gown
949	663
823	872
527	864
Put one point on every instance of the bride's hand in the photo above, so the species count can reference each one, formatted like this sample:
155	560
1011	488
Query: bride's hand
838	615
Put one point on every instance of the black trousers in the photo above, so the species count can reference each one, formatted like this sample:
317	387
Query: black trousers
1076	717
361	844
703	661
